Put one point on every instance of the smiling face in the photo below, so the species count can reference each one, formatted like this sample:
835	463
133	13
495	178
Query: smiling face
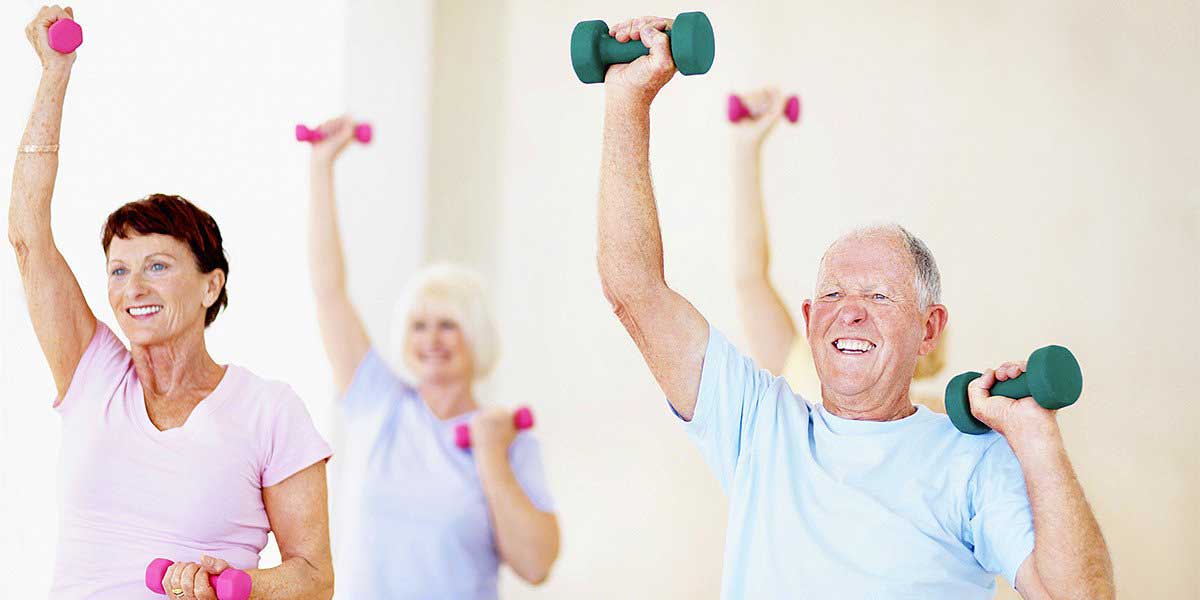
866	327
435	346
156	290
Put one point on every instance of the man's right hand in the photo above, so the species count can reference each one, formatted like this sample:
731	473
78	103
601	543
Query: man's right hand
38	34
638	82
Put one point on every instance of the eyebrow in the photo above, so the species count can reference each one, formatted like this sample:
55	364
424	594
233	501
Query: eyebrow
166	254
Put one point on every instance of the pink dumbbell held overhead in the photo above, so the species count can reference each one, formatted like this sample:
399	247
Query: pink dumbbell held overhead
65	36
362	132
738	110
231	584
522	420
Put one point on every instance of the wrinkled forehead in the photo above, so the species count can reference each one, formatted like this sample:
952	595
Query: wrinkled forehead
865	260
137	245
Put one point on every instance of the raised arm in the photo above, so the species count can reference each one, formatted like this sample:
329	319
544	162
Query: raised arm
668	330
342	331
61	318
767	321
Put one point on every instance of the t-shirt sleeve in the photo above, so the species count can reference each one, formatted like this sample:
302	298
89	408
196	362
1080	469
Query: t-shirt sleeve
1001	524
727	406
100	370
526	460
293	442
373	387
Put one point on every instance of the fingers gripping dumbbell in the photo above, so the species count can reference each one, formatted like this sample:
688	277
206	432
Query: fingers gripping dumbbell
362	132
522	420
1052	376
231	584
593	50
738	111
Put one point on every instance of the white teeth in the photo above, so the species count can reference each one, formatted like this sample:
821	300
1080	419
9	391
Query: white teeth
141	311
853	345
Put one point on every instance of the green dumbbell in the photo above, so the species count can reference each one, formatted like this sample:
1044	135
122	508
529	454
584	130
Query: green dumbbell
593	50
1051	376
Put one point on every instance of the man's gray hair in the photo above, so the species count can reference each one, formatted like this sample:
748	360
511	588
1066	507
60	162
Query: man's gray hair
928	279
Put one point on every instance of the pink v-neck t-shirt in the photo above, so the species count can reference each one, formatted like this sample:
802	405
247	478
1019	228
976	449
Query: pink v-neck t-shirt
129	493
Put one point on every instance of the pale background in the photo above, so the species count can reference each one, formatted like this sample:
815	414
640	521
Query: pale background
1049	156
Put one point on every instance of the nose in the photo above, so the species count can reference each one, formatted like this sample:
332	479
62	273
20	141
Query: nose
852	312
135	286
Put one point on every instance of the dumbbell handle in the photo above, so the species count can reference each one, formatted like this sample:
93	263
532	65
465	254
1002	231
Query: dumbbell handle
362	132
613	52
738	111
231	584
1017	387
522	420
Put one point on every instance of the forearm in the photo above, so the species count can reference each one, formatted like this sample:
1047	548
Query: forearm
1069	551
294	579
325	257
766	318
527	537
34	172
751	258
629	243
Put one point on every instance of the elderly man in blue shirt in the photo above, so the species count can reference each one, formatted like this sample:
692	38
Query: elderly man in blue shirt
863	495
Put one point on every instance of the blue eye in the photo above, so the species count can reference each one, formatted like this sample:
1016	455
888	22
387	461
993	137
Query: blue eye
117	272
879	297
158	267
833	295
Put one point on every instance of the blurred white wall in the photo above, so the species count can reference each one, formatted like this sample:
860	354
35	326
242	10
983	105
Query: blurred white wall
1047	153
200	99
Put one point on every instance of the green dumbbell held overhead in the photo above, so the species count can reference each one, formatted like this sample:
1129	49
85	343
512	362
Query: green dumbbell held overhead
1051	376
593	50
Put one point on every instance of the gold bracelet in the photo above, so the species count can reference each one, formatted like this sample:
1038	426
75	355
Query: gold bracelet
35	148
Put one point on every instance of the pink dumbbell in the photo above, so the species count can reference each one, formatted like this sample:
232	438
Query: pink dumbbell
231	584
738	111
522	419
65	36
362	132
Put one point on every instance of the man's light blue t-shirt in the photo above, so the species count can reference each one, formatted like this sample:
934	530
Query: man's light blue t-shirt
825	507
415	522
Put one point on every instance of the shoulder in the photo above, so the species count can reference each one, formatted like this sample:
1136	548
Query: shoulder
957	450
250	393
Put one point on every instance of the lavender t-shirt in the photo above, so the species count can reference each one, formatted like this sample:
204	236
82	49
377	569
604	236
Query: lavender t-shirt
415	520
129	493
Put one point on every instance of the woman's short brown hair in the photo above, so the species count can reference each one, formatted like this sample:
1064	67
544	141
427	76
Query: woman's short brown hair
180	219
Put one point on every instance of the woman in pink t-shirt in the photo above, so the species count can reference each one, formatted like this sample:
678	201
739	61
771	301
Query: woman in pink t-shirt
165	452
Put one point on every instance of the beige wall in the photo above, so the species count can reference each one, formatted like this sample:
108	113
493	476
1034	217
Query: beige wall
1047	154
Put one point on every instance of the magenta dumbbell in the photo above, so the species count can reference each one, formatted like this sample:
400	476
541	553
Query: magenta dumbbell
231	584
738	111
362	132
522	420
65	36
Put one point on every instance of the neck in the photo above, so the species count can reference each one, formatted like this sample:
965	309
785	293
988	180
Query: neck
868	406
447	399
178	369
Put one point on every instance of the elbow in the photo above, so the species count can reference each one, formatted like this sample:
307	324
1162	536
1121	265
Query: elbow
625	294
323	585
536	574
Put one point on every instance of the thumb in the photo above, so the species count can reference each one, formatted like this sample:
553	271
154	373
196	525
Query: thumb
213	565
659	45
